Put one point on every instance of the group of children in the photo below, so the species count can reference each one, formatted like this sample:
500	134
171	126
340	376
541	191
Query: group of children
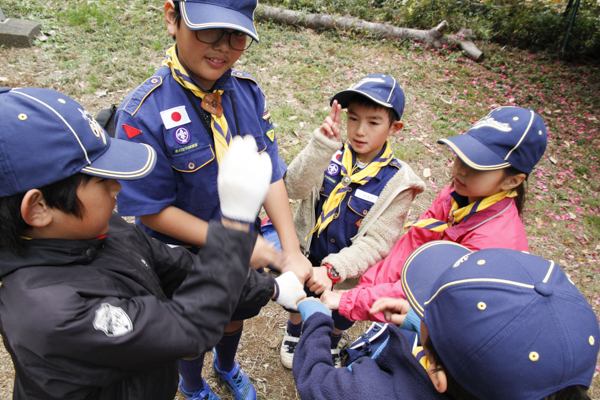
92	307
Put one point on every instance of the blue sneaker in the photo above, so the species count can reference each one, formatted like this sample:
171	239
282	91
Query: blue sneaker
203	394
237	381
370	344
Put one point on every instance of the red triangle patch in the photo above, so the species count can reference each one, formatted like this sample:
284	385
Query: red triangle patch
131	131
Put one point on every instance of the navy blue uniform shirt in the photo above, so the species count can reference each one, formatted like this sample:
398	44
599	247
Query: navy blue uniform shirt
160	114
355	206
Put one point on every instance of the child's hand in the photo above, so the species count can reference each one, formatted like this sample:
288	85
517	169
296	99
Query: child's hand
291	291
394	310
244	179
331	126
308	299
319	282
331	299
298	264
265	254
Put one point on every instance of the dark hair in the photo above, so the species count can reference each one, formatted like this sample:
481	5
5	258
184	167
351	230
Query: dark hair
177	13
456	391
521	189
61	195
361	100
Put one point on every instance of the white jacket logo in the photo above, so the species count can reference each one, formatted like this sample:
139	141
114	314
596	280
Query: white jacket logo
113	321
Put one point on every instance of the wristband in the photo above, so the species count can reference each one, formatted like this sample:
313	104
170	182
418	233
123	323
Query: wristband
332	273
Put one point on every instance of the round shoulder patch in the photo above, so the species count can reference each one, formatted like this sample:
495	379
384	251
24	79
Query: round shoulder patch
113	321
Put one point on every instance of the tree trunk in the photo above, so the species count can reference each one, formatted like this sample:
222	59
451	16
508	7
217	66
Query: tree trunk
434	37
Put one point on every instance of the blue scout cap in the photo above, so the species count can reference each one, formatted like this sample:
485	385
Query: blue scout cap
508	136
46	137
381	89
506	324
227	14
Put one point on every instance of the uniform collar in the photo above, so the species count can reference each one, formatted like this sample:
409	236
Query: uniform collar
477	219
355	159
223	83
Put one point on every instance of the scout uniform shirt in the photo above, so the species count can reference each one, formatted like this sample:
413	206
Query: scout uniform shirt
353	208
159	113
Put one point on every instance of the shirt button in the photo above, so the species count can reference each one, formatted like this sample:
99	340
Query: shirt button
322	188
191	165
349	190
332	240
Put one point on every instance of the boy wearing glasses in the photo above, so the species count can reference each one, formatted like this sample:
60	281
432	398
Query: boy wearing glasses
188	111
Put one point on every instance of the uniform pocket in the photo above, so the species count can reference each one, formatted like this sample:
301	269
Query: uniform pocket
191	160
359	206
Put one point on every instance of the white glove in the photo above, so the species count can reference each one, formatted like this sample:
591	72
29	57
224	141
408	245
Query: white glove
291	291
243	180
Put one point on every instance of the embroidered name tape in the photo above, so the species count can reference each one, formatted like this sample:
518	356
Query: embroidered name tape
361	194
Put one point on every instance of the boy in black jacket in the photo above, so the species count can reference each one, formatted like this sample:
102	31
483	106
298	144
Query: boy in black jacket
90	306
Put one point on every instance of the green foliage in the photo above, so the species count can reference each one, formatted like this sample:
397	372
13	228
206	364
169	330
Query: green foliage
536	25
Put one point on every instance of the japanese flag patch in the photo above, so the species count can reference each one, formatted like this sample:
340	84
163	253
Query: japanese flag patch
173	117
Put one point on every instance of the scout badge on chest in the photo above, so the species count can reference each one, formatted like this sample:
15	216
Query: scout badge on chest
212	104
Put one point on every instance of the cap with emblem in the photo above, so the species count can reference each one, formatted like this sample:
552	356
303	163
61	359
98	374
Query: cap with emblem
46	137
508	136
506	324
226	14
379	88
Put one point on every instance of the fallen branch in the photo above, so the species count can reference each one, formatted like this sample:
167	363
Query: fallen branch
433	37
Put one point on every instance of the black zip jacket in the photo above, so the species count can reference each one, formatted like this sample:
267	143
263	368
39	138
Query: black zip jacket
109	318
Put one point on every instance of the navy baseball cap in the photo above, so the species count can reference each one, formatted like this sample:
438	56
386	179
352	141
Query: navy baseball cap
506	324
46	137
381	89
508	136
227	14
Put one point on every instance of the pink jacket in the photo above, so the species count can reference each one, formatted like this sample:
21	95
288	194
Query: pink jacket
496	226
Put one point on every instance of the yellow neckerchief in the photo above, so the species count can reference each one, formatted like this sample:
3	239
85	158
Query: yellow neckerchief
419	354
330	208
219	126
460	214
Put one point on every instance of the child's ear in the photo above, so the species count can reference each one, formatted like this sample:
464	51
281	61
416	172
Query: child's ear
512	181
438	378
34	210
170	17
396	127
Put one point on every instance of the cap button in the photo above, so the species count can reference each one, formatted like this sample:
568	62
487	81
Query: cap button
543	288
5	89
90	252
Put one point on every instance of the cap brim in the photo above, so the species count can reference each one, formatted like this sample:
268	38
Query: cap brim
123	161
474	154
198	16
344	97
424	266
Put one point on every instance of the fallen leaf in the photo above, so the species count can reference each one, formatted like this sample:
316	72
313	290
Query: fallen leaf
426	173
553	160
293	117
